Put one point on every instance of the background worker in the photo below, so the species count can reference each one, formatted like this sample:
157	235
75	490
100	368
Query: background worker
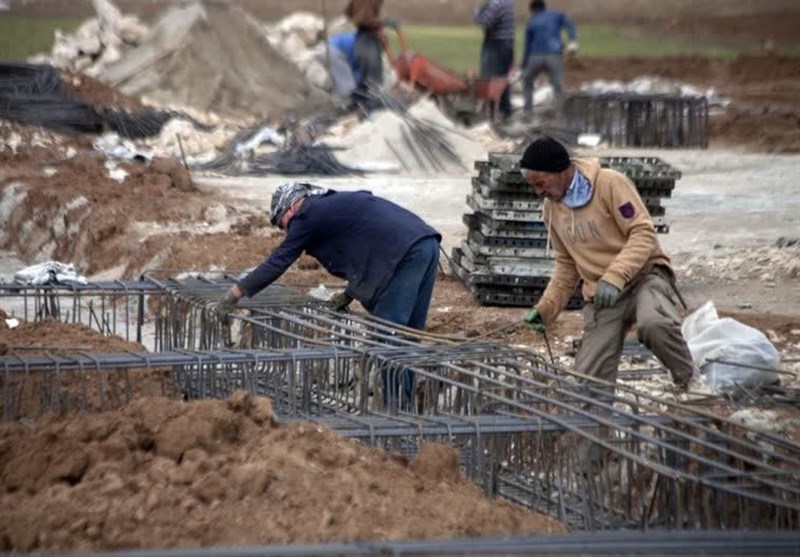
497	51
368	47
388	255
602	233
543	52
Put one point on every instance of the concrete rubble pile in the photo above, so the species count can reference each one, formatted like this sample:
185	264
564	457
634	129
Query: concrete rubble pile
384	142
212	57
98	42
506	258
298	37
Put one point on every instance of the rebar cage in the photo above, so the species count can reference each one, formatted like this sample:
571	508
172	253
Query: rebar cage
592	454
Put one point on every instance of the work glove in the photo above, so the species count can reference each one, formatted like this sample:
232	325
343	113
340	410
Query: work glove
534	319
606	295
226	304
391	23
572	48
340	301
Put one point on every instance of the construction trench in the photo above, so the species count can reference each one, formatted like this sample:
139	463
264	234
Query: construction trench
523	427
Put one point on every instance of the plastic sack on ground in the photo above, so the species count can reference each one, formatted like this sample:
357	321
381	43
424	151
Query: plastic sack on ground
48	273
729	352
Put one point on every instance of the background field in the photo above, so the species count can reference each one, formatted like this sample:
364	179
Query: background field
455	47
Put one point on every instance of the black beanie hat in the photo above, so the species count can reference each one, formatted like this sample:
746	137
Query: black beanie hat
545	155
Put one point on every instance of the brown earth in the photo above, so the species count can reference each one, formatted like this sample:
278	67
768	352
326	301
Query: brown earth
764	114
141	477
161	474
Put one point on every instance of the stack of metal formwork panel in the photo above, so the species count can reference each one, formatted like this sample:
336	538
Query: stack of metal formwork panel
505	259
627	119
654	180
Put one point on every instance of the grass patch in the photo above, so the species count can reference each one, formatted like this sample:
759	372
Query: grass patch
22	36
458	48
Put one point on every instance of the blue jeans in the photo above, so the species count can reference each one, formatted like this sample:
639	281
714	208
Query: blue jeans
405	300
497	58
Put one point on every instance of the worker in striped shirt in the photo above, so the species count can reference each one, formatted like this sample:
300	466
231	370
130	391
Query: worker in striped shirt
497	51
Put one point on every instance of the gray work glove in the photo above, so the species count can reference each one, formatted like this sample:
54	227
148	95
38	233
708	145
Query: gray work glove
534	319
226	304
340	301
606	295
391	23
572	48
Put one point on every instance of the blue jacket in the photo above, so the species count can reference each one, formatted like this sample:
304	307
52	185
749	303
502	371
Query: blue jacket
354	235
543	33
346	43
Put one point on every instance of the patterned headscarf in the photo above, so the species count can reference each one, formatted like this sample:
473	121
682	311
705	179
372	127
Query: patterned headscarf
287	195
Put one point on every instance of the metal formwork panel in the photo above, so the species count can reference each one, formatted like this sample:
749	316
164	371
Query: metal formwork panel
629	119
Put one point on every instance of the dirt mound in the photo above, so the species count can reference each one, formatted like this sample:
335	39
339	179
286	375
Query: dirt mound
164	474
78	213
62	338
212	57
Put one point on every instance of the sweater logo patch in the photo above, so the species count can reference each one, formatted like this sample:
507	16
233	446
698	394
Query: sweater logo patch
627	211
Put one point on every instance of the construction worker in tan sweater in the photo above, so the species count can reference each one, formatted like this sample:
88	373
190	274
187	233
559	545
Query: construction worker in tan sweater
602	233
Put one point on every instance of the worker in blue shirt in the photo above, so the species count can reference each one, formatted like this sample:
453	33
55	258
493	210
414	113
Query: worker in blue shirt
388	255
543	52
346	44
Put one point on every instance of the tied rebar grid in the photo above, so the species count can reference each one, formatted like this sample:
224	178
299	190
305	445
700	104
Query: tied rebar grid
595	465
119	307
726	543
597	459
659	473
634	120
110	307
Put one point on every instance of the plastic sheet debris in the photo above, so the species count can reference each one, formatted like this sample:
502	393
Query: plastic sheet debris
264	134
49	272
733	356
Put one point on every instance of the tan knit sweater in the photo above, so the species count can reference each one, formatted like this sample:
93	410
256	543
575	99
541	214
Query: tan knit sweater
610	238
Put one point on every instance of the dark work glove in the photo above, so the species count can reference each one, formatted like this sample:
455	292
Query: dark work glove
534	319
606	295
340	301
226	304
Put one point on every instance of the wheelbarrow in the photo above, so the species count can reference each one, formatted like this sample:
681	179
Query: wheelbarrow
464	96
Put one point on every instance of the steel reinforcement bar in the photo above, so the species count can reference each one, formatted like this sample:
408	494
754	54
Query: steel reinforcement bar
724	543
594	459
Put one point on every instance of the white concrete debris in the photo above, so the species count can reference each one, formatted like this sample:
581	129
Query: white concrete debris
98	42
767	263
381	142
767	421
114	172
649	85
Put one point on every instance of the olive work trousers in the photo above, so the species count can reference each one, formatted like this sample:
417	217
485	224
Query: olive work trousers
651	302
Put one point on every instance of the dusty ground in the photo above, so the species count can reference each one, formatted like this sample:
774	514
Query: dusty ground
162	473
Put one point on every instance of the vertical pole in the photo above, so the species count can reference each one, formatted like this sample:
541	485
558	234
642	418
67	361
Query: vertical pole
325	38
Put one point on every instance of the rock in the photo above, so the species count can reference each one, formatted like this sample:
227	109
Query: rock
180	177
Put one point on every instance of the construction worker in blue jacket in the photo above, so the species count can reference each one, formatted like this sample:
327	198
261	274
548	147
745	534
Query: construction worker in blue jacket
544	51
388	255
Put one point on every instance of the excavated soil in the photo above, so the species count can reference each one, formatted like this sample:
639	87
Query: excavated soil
161	474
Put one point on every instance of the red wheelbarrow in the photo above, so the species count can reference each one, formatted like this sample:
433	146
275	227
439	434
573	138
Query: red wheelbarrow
467	95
